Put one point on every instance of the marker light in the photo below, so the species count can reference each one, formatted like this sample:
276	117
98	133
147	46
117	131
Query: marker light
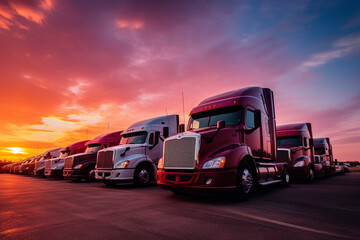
123	164
218	162
161	163
299	164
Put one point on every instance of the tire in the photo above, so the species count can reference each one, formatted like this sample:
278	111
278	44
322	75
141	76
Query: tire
143	176
311	177
110	183
245	182
285	177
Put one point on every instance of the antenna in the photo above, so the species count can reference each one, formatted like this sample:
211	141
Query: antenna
183	106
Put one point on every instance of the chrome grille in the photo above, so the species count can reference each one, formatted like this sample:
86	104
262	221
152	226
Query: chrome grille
180	153
68	163
47	164
105	160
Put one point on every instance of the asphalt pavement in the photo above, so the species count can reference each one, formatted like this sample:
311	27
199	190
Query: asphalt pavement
37	208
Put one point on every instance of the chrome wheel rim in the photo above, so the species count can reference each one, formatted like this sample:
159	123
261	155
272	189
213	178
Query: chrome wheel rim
311	174
144	176
287	177
247	181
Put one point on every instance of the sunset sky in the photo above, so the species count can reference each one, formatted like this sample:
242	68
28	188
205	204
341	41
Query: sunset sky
68	68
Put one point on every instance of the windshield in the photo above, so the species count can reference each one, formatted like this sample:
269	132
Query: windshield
295	141
133	138
92	148
64	154
231	116
319	150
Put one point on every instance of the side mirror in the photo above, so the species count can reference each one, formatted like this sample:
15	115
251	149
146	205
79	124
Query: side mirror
165	132
181	128
311	142
220	124
156	136
257	118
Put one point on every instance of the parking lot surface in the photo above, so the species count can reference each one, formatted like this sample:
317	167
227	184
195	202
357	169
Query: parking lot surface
37	208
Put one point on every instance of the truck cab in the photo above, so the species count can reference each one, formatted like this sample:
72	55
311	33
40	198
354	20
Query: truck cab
323	149
79	166
229	145
39	164
140	149
55	166
298	138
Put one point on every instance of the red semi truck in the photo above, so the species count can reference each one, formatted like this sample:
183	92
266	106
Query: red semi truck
230	145
80	165
323	149
297	139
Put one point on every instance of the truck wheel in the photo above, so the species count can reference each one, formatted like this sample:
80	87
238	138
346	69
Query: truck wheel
310	179
285	177
142	176
245	182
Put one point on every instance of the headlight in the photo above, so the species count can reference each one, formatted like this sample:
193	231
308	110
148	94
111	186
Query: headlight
78	166
54	167
123	164
218	162
299	164
161	163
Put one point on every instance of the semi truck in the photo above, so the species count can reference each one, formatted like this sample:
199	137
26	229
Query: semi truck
297	139
229	145
39	165
80	165
140	149
323	149
55	166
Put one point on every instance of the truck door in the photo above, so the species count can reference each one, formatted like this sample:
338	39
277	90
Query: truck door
252	135
155	149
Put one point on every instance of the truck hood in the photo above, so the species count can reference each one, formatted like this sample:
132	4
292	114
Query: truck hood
81	158
135	152
122	148
225	140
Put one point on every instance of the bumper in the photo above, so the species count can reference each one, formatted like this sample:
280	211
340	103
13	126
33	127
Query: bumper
115	174
208	180
57	173
299	172
75	173
39	172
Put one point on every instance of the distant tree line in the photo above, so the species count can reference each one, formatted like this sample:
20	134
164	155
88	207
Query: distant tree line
4	162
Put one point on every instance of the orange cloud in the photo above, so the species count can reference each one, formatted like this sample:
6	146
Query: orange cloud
131	24
28	13
47	4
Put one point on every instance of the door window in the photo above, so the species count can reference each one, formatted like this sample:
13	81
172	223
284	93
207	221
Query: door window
250	119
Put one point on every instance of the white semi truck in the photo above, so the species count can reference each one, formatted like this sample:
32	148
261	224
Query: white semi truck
135	159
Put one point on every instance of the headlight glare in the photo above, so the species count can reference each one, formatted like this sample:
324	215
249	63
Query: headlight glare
218	162
161	163
78	166
123	164
299	164
54	167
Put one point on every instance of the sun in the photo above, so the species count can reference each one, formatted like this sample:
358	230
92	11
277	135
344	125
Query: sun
16	150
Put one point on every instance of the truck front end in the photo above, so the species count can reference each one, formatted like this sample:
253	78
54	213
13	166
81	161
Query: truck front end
189	163
54	167
78	166
117	164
